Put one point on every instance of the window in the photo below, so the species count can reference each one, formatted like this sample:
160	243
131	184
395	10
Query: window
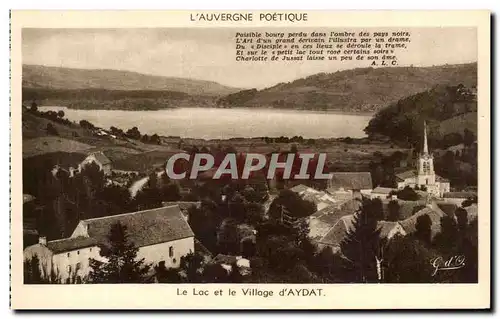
68	254
170	251
90	249
78	266
78	252
426	181
69	269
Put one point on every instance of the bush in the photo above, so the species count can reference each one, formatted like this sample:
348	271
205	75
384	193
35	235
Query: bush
51	130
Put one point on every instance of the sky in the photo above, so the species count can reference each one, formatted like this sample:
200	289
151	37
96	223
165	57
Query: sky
209	54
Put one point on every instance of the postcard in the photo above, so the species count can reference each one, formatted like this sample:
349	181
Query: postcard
250	160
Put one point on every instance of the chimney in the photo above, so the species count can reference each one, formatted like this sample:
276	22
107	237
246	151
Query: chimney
42	240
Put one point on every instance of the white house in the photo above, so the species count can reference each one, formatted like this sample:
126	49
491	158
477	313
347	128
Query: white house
424	174
382	193
161	234
100	159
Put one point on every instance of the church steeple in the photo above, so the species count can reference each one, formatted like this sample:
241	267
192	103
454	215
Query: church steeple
426	149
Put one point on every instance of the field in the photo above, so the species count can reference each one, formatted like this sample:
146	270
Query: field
458	123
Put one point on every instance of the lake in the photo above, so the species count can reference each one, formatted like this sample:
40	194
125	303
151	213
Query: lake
214	123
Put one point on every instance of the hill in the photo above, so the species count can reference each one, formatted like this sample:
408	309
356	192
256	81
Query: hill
450	113
45	77
356	90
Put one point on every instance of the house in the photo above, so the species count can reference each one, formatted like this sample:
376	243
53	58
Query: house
382	193
356	183
160	234
100	159
435	214
335	236
424	175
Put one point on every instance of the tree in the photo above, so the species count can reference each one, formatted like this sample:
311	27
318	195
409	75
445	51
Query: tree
134	133
167	275
393	211
407	193
462	219
51	130
254	213
407	260
447	239
292	203
203	222
191	268
377	209
60	114
423	228
227	238
215	273
86	124
469	138
237	207
235	275
121	264
34	107
155	139
362	245
32	272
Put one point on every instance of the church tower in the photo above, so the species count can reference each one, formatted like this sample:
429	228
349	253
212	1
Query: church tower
426	175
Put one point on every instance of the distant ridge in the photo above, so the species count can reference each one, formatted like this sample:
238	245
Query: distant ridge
49	77
354	90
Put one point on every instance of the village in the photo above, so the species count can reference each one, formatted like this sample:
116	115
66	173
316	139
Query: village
245	230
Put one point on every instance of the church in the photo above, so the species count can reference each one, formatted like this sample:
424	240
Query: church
424	174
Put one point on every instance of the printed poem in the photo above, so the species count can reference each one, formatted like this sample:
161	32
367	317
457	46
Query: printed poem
376	48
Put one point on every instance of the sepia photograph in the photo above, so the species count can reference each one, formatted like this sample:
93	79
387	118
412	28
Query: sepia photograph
248	155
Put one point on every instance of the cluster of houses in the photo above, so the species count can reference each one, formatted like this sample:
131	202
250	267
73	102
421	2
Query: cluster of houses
163	235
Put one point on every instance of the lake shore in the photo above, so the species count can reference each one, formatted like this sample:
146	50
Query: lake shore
226	123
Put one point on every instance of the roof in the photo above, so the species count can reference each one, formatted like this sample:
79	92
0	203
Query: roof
435	214
464	195
69	244
323	220
99	156
145	228
385	228
351	180
225	259
183	205
345	224
299	188
442	179
407	174
448	208
383	190
338	232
